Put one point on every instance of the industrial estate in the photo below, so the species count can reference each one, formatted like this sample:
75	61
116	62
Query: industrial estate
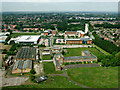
59	50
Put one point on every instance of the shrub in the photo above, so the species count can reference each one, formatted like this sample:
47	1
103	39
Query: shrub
4	51
32	71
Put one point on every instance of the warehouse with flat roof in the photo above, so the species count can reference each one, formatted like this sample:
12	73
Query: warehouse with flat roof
27	39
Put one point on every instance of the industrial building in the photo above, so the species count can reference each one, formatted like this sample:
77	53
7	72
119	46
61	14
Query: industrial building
27	39
26	53
22	66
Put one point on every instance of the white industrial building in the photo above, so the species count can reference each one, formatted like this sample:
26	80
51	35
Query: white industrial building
27	39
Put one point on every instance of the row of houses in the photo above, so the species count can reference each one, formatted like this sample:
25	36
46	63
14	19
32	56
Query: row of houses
58	59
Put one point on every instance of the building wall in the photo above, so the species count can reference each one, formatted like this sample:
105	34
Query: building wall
46	33
78	42
74	42
58	68
89	42
80	60
54	32
26	70
82	35
16	71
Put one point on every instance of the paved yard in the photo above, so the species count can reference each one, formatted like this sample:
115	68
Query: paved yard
39	69
11	81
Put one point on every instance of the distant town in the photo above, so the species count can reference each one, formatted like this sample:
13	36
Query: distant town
59	50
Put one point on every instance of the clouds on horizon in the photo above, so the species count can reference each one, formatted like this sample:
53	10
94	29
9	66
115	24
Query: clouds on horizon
60	1
61	6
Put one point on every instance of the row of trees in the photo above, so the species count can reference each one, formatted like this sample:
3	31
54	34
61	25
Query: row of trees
111	60
106	45
107	25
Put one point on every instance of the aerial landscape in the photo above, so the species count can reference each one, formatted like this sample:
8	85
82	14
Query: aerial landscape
62	44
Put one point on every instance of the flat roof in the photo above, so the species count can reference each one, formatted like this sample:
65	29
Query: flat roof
27	38
82	38
81	32
3	37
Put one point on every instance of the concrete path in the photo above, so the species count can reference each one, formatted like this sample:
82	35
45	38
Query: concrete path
47	60
72	46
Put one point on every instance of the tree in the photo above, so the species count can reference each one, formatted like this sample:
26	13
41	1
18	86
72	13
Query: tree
117	55
63	52
12	42
105	63
32	71
4	51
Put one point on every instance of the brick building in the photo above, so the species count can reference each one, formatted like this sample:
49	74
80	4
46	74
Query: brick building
82	40
87	56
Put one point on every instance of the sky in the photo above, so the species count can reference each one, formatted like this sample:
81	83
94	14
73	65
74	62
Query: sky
60	0
60	5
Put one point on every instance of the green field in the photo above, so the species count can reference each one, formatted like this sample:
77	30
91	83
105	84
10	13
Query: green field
49	68
95	77
77	51
51	82
46	57
14	35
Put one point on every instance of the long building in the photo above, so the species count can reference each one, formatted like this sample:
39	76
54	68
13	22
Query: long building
86	57
26	53
82	40
27	39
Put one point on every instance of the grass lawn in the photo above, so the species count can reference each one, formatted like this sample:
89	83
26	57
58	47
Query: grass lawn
51	82
46	57
14	35
77	51
95	77
49	68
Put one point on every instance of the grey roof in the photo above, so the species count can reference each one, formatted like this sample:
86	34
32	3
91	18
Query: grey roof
16	65
55	59
20	65
88	56
82	38
88	53
56	62
27	64
26	53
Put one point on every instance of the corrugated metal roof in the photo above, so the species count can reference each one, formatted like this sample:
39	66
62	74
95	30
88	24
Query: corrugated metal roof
16	65
20	65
